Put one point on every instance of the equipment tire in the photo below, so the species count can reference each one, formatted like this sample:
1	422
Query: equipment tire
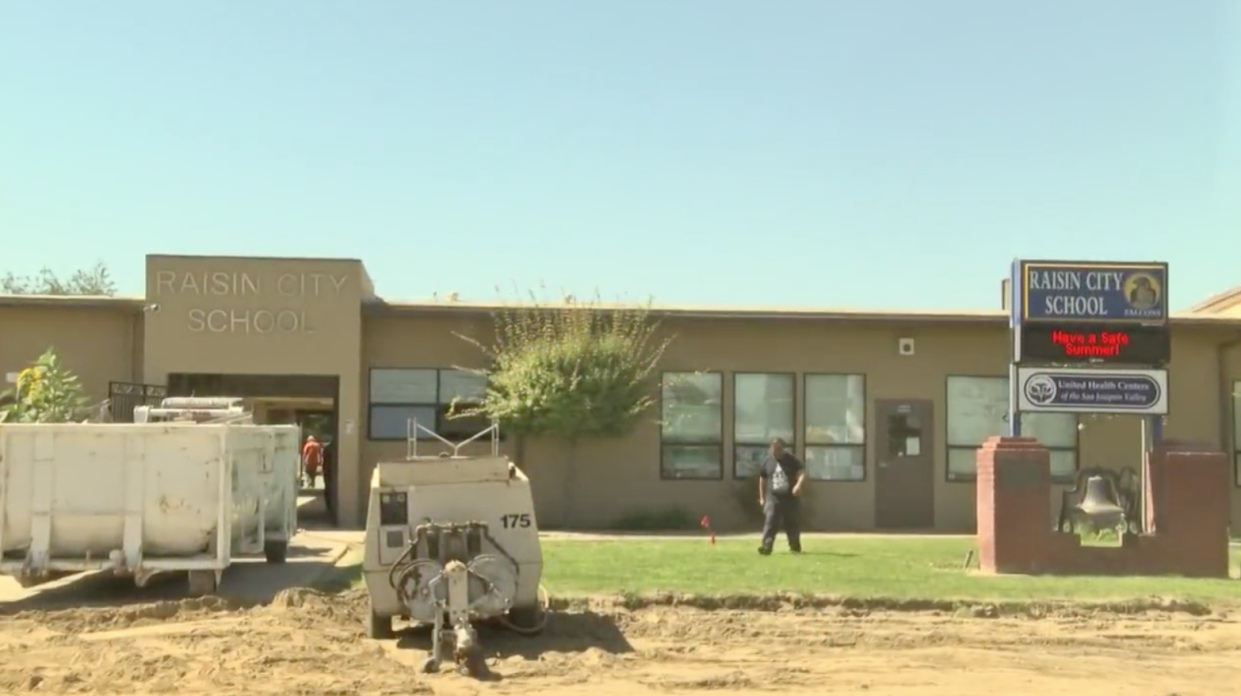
526	617
379	627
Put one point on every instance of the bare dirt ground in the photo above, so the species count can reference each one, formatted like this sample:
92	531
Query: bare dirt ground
312	644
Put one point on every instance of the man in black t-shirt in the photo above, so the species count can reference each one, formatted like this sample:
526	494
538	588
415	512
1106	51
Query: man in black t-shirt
779	485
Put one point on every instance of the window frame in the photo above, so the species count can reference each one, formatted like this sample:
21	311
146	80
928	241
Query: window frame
1076	449
441	409
809	442
718	443
737	444
1235	412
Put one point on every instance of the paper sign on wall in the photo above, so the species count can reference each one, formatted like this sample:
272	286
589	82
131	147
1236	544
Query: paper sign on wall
913	446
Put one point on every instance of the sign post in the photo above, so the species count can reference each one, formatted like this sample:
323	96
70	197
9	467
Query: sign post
1016	313
1089	337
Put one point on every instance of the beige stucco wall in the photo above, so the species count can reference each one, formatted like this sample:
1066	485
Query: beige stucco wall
100	345
292	316
226	315
619	476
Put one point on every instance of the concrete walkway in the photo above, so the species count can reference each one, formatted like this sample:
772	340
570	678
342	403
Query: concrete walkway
247	580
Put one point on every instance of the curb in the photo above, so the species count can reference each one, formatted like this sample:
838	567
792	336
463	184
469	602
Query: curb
336	557
333	558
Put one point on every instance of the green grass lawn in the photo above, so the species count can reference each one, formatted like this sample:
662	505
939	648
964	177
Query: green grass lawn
928	568
874	567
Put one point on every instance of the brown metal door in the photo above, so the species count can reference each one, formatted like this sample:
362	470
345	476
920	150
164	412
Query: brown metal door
904	464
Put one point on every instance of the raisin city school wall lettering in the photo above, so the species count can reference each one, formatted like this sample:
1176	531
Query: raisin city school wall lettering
241	284
228	284
247	321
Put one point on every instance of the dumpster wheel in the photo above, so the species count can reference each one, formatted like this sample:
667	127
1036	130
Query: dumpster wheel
276	551
202	583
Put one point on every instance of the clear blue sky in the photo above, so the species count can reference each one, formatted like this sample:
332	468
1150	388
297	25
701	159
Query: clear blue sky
873	153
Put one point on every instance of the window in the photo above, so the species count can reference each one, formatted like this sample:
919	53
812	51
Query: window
978	411
692	425
835	427
425	396
762	411
1236	430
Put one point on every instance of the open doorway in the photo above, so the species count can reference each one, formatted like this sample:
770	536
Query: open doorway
309	401
317	419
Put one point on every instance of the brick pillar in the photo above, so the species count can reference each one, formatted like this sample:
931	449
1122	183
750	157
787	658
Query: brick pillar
1014	518
1188	487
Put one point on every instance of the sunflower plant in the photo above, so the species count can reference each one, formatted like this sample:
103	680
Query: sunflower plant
45	392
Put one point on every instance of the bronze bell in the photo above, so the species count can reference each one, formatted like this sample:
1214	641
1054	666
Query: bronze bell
1102	502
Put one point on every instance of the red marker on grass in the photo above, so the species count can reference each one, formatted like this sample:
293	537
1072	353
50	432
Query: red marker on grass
705	523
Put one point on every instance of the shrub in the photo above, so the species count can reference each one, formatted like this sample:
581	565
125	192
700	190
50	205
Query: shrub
574	371
671	519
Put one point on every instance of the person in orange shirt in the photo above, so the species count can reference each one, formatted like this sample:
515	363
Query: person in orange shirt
312	460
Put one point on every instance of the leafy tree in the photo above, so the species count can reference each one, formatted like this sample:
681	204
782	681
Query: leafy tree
575	371
96	280
45	392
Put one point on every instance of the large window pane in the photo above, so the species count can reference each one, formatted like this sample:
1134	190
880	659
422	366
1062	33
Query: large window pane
748	459
977	409
762	408
692	462
692	407
1236	428
398	394
1236	415
468	387
462	427
1051	429
835	463
1063	465
392	422
402	386
835	409
962	464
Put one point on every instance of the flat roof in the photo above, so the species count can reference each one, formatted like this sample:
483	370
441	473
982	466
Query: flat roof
382	307
242	257
983	316
115	302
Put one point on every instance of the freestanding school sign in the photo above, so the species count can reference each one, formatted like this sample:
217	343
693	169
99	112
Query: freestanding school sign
1096	293
1088	337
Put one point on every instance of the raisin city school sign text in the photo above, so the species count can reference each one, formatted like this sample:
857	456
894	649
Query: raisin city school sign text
242	284
1132	293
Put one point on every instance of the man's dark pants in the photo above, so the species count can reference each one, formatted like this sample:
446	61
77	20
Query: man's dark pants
329	488
781	512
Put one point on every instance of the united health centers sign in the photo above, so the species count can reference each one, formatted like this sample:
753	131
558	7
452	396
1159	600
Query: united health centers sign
1068	390
1090	337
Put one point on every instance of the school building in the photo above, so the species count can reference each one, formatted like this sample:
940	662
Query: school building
850	390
